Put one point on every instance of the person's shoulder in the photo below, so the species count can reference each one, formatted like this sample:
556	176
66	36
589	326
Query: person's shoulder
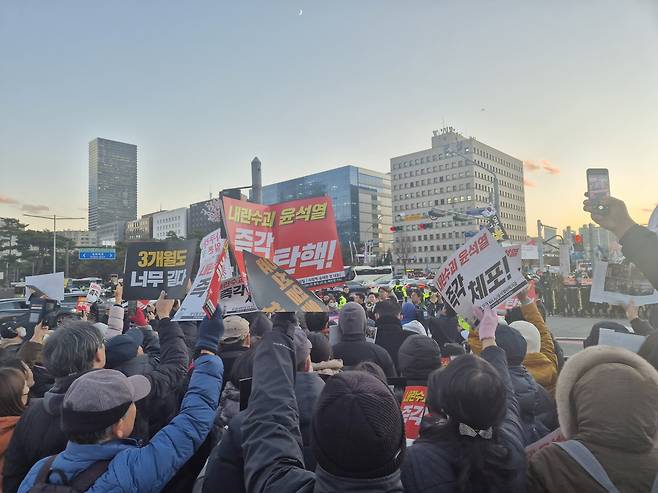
31	476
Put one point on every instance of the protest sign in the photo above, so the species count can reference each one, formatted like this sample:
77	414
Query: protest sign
478	274
154	266
235	298
50	286
496	228
274	290
299	236
619	284
94	292
632	342
413	409
371	333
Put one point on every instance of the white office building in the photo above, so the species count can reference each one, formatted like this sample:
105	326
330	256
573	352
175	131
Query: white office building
455	175
80	238
170	223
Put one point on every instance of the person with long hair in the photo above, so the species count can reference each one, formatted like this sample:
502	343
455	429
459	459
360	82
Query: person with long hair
472	437
13	399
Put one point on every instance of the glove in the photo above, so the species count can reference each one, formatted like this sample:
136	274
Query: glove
488	322
210	331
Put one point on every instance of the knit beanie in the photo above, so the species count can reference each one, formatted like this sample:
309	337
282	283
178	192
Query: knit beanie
321	350
357	429
514	344
408	312
530	334
123	348
418	356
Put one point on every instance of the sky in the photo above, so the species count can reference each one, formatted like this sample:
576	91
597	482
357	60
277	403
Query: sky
307	85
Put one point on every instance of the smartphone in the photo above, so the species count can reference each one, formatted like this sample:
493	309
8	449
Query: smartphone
598	186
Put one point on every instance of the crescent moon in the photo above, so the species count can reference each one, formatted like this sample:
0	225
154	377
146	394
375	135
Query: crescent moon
301	11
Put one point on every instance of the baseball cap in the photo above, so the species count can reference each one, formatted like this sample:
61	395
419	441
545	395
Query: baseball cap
123	347
302	345
100	398
235	329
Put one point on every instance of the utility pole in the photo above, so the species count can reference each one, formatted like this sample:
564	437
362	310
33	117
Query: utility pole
540	244
54	218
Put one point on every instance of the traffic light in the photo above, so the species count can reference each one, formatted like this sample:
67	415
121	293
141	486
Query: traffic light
578	243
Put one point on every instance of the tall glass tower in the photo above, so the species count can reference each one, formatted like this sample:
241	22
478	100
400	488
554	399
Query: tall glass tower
112	182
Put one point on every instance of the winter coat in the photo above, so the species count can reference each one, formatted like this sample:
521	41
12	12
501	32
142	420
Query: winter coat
607	399
640	246
225	470
274	461
353	348
229	405
166	371
390	336
430	464
37	435
133	468
229	353
7	425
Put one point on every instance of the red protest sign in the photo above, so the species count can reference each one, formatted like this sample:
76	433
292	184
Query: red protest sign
215	286
299	236
413	409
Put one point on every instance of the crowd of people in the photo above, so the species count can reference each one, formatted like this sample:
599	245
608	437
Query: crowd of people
311	402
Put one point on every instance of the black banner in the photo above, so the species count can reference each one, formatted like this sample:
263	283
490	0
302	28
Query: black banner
273	290
153	266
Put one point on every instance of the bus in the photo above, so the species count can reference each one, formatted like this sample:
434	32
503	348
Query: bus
366	274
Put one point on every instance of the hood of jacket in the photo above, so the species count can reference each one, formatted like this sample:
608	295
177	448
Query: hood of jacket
418	356
608	396
328	483
416	327
352	322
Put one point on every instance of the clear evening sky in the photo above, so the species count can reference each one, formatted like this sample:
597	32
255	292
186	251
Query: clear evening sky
202	87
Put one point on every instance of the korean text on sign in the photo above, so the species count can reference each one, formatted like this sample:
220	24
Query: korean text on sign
478	274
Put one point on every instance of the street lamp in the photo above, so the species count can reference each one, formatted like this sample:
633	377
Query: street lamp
496	193
55	218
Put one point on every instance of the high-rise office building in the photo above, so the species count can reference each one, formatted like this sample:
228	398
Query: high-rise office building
361	200
112	182
456	174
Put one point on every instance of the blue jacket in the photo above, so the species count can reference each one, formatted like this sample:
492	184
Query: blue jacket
148	468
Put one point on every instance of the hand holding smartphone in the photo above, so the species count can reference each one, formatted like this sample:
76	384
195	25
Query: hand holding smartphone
598	187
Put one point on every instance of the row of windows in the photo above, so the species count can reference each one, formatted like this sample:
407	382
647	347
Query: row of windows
435	179
448	155
436	191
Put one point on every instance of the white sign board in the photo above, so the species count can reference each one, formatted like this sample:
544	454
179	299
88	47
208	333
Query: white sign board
632	342
529	252
234	296
478	274
50	285
619	284
94	292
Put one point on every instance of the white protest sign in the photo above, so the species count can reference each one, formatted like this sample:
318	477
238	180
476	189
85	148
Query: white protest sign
234	296
478	274
632	342
94	292
51	285
619	284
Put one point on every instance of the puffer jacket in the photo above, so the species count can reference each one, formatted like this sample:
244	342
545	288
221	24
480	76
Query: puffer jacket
225	470
353	348
133	468
607	399
271	441
430	464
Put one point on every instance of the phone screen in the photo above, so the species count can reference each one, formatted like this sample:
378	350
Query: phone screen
598	184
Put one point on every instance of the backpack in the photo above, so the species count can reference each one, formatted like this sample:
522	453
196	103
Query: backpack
82	482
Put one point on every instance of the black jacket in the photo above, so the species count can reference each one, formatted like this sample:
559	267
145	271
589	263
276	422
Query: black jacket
390	336
37	435
229	353
353	351
225	470
271	441
444	330
538	410
166	372
640	246
430	464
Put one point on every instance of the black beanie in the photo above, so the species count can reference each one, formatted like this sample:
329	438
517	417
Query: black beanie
513	343
418	356
357	430
321	350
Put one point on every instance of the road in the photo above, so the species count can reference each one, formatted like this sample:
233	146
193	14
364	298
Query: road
574	327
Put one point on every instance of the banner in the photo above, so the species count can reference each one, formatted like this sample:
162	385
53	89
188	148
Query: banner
153	266
494	225
619	284
413	409
50	286
94	292
274	290
299	236
478	274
